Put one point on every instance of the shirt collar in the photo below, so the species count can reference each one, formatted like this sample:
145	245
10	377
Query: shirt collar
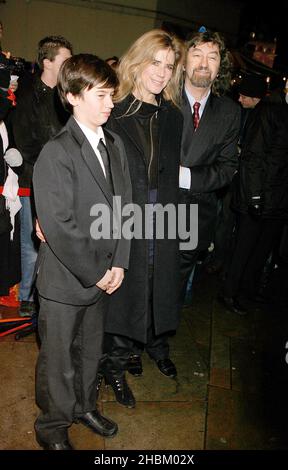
202	102
92	136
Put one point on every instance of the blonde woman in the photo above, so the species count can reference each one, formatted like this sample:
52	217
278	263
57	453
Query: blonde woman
148	119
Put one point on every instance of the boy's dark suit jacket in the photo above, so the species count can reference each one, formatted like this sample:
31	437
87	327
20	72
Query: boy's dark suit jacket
68	180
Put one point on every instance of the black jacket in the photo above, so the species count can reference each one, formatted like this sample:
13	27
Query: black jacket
38	116
211	154
68	181
264	161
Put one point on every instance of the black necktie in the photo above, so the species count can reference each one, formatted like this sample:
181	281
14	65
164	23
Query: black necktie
106	161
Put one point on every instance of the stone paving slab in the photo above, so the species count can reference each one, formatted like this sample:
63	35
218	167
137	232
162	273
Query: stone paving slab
230	392
158	426
238	421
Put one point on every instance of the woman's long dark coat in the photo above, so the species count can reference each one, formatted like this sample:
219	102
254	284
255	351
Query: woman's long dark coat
129	305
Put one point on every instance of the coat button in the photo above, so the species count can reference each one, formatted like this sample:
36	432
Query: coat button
109	255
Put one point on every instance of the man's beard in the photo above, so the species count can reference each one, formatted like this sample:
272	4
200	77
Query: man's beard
200	81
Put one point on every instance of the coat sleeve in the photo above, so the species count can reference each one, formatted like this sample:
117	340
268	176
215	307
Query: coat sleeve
25	130
122	253
54	190
207	178
256	142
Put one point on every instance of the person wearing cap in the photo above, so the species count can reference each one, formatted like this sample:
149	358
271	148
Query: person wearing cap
261	195
251	90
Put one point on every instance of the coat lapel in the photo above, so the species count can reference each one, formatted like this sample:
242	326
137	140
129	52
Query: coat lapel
206	121
115	163
90	158
129	127
192	139
162	116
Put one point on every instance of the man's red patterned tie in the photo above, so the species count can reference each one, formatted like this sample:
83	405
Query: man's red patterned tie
196	117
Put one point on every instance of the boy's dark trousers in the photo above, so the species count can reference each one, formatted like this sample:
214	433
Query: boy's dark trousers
71	346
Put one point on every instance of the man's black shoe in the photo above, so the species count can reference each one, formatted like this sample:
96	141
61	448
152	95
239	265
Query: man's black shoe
98	423
167	367
123	392
232	304
134	365
64	445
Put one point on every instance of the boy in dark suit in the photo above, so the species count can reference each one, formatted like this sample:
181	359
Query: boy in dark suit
82	166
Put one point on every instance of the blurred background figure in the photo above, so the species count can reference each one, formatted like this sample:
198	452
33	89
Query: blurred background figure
10	167
38	117
261	194
251	90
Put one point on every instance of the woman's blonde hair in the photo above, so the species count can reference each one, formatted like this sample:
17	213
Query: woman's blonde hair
142	53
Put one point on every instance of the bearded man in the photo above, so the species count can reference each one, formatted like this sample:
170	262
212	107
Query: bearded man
209	144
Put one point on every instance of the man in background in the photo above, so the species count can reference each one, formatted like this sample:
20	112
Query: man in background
260	199
38	117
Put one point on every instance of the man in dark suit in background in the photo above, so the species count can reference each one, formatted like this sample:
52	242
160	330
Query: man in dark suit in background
210	135
82	166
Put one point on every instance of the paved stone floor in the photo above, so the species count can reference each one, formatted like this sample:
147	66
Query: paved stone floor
230	392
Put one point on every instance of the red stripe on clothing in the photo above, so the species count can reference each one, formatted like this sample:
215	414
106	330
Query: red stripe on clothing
21	191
